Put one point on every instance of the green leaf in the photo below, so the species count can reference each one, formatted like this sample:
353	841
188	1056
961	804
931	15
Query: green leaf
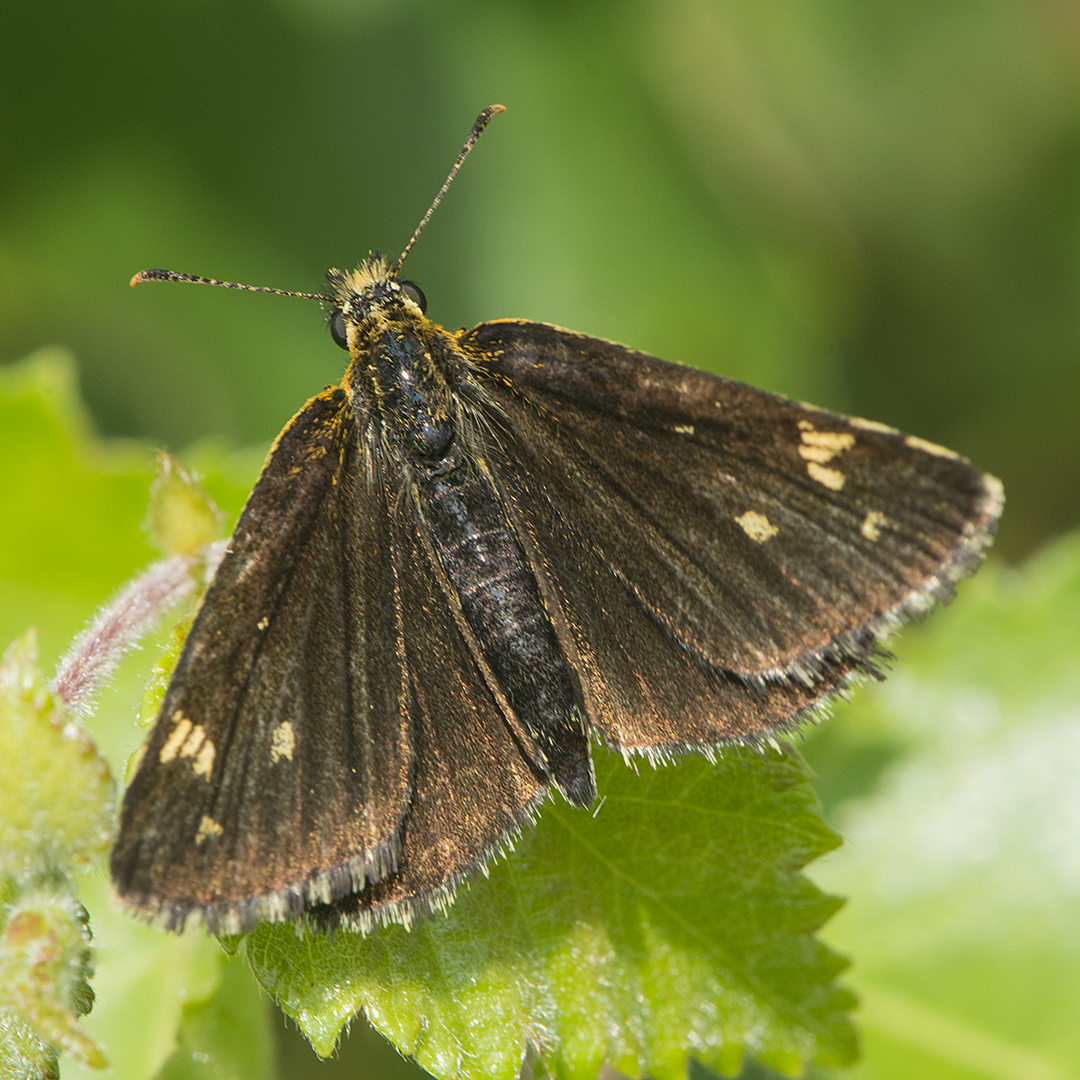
56	804
227	1036
45	966
183	518
964	863
672	922
56	794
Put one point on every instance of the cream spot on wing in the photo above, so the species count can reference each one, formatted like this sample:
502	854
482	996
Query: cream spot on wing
208	828
872	425
820	454
176	739
836	442
929	447
818	447
685	429
757	526
282	742
193	741
263	623
204	763
872	524
831	478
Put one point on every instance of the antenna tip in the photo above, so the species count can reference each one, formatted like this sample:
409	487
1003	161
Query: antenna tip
482	122
152	275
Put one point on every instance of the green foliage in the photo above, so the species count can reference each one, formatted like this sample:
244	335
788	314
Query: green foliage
72	536
56	804
673	920
56	794
871	206
183	518
227	1036
962	862
45	970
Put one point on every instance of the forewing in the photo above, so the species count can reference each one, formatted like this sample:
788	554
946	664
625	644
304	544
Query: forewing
764	543
278	772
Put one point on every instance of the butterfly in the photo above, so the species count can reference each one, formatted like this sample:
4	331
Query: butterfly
480	551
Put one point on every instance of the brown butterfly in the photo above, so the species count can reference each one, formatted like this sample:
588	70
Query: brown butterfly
482	549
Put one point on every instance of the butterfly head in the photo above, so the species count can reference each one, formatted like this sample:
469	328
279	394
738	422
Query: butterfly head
368	298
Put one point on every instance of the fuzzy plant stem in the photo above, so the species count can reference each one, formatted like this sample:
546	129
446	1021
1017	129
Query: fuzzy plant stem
118	627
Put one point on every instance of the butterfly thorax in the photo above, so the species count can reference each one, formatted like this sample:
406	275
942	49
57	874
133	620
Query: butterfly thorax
402	364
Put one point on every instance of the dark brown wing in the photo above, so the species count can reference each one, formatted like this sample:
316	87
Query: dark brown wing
326	733
719	558
280	768
473	786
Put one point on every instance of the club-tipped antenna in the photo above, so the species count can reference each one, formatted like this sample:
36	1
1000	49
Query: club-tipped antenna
470	142
172	275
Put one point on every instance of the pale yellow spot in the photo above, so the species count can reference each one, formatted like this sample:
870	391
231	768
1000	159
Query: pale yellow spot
872	524
685	429
820	454
176	739
282	741
208	827
818	447
831	478
836	442
263	623
193	741
204	763
931	448
872	425
757	526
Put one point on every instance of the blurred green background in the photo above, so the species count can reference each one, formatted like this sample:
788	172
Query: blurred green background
872	206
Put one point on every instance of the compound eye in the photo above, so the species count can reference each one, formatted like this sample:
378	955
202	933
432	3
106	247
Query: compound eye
337	328
414	293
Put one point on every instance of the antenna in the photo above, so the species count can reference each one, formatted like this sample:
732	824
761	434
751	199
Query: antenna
172	275
470	142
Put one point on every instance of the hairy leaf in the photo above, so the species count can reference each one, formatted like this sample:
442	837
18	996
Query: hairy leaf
672	922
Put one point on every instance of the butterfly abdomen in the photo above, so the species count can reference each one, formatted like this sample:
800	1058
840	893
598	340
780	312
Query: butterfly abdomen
405	385
500	602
